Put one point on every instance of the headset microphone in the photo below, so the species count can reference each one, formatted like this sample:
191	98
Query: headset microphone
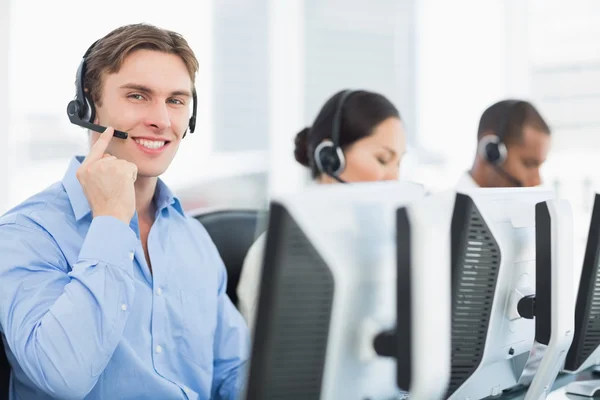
337	178
75	118
508	177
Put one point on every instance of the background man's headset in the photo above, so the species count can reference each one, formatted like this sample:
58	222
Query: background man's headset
492	148
81	109
328	155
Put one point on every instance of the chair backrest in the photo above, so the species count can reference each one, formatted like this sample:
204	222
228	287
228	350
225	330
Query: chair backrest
4	372
233	232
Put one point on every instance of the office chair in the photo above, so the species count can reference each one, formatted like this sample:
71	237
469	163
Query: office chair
4	372
233	232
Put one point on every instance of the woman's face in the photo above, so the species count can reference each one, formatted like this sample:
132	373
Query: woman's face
376	157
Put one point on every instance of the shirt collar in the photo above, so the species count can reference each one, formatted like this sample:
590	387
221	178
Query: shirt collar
467	182
164	197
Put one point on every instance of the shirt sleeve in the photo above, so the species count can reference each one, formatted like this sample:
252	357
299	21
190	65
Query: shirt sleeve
61	322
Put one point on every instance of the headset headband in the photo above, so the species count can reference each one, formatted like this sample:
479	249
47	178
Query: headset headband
337	118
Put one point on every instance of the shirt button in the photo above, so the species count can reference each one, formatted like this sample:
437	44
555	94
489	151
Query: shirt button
131	255
159	291
124	307
158	349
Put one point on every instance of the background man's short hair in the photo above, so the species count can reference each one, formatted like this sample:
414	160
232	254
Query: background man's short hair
511	118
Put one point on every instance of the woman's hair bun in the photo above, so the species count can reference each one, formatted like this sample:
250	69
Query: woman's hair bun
301	150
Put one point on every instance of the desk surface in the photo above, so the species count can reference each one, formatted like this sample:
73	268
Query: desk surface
559	389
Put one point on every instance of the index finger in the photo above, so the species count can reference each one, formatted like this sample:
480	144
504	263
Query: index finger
98	149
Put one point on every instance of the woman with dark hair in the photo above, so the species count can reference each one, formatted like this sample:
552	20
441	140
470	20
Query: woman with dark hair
370	136
371	143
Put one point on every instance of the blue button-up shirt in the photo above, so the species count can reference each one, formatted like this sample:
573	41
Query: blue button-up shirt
83	317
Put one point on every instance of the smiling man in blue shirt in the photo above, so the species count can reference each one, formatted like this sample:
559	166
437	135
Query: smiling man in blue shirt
107	289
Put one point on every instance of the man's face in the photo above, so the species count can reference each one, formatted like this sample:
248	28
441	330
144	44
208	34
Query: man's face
526	156
150	99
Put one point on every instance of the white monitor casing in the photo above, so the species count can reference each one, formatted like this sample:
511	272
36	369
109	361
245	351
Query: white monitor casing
350	233
509	215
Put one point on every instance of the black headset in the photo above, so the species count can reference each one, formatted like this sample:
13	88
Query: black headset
492	148
328	155
81	110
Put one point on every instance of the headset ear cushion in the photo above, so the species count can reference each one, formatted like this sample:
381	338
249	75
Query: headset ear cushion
328	159
492	152
492	149
74	109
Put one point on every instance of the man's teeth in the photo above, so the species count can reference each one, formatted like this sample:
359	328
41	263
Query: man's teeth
151	144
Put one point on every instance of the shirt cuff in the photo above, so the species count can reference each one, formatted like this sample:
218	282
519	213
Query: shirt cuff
111	241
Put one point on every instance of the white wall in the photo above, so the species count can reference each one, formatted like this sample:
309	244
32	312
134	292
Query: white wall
286	94
465	63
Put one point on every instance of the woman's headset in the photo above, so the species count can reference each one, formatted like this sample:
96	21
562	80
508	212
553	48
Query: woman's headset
328	155
81	110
